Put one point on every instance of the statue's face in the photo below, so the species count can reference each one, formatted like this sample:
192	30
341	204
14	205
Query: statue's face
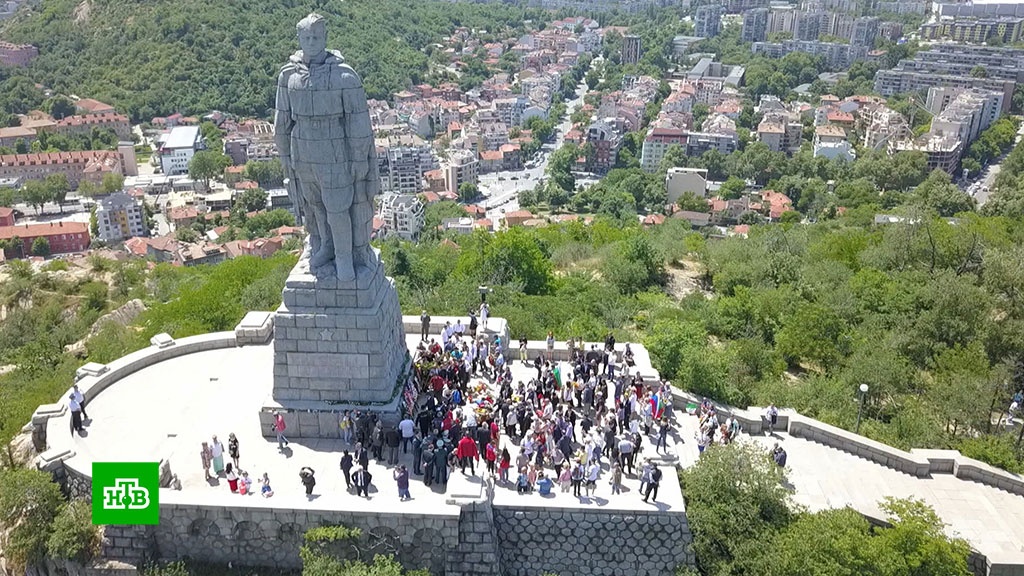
313	40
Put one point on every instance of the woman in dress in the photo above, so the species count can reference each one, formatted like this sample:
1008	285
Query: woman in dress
233	448
232	478
207	456
217	450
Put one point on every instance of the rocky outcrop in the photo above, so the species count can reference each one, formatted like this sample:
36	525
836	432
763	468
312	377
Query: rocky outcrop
123	316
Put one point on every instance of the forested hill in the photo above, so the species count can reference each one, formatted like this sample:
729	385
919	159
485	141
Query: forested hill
157	57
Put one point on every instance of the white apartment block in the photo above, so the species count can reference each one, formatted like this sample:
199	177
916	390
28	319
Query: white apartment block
120	217
402	215
462	167
402	159
178	148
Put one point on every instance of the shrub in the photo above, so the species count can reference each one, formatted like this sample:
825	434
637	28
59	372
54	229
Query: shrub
74	536
29	502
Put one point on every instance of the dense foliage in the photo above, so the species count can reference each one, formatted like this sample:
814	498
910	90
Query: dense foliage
153	58
745	523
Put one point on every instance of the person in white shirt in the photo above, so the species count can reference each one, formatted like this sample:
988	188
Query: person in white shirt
81	400
76	415
408	429
593	473
484	311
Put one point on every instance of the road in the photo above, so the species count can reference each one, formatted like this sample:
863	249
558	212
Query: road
981	189
501	189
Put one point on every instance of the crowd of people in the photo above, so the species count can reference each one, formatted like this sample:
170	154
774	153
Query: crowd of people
238	480
568	430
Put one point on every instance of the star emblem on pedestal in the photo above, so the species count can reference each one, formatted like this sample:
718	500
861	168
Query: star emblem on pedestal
325	334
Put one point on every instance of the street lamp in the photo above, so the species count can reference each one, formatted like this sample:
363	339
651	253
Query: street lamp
860	409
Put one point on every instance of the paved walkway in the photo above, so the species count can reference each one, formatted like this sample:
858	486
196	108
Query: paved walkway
168	410
823	477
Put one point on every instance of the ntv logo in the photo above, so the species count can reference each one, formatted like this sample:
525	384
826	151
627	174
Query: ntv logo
125	493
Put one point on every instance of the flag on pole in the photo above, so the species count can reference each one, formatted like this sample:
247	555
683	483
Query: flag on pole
558	374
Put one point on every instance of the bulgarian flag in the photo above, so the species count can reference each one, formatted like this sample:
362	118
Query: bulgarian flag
657	406
558	374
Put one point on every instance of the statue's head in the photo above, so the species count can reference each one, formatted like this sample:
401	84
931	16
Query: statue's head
312	32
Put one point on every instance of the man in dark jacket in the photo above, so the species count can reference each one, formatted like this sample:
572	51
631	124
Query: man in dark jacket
652	486
417	453
483	436
362	456
393	439
363	478
346	468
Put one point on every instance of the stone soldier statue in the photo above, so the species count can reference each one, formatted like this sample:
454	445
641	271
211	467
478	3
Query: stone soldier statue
327	151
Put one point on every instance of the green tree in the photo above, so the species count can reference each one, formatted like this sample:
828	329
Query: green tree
252	200
813	334
468	192
111	183
57	188
41	247
635	265
74	536
733	188
938	193
266	173
560	166
736	502
36	193
186	234
206	165
29	503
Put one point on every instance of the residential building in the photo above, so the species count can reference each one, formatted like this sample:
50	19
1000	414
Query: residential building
781	19
84	124
63	237
830	142
606	141
976	9
679	181
89	165
657	142
977	31
6	216
718	132
811	25
402	159
740	6
891	31
964	112
87	106
884	127
837	56
402	215
10	136
177	148
201	253
903	6
707	20
119	217
260	247
630	49
755	25
716	74
462	167
510	110
18	55
942	149
865	31
781	132
951	65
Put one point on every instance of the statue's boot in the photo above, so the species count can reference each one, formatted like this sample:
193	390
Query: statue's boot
343	266
319	258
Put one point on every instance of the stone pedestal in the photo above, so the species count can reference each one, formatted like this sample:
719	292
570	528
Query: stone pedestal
338	344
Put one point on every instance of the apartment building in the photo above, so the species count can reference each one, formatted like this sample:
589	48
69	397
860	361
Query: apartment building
462	167
607	140
975	31
63	237
84	124
707	20
837	56
631	48
884	128
865	31
402	215
89	165
120	217
178	147
755	25
402	159
780	132
963	111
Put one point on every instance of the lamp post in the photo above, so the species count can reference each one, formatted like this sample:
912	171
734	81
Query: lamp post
860	409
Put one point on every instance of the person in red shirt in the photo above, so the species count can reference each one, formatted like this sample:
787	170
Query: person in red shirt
468	454
491	456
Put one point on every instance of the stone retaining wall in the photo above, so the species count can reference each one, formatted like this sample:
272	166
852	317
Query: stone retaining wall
589	542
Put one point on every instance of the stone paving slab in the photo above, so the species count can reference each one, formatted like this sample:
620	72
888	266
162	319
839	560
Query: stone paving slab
167	410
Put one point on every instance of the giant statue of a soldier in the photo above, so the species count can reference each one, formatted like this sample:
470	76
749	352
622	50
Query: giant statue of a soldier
327	151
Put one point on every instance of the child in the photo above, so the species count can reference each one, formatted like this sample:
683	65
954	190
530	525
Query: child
245	484
265	489
232	478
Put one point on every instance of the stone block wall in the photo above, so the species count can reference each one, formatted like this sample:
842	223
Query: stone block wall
271	537
585	542
478	551
338	341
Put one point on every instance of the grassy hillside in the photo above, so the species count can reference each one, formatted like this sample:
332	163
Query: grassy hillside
156	57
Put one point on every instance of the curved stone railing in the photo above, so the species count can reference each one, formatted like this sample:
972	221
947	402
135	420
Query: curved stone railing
59	453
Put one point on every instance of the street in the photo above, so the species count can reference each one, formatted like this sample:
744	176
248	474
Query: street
981	189
501	189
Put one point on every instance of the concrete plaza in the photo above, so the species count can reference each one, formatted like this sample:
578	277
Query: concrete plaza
167	410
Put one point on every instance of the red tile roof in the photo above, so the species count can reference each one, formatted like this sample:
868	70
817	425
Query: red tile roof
47	229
